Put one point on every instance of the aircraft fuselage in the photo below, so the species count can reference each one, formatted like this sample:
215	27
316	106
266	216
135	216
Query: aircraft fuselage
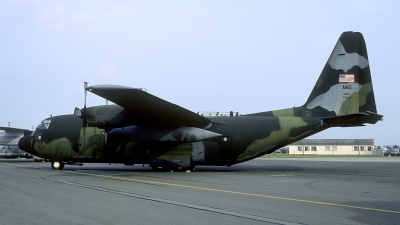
243	138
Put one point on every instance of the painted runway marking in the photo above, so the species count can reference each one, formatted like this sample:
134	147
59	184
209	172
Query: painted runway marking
236	192
182	204
224	191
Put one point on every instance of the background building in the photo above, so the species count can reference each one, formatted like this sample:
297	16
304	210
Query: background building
334	147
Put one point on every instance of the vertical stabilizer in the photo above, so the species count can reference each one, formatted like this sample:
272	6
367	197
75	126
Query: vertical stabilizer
343	95
344	86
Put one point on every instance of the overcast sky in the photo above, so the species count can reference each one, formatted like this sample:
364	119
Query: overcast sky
245	56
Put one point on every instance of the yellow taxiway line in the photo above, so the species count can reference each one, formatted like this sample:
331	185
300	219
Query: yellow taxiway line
235	192
225	191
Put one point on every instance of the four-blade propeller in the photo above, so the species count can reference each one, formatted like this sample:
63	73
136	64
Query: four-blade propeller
83	113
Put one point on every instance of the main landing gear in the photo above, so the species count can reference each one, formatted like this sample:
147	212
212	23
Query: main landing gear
177	169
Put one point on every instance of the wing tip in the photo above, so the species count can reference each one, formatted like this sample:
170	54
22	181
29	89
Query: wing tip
111	87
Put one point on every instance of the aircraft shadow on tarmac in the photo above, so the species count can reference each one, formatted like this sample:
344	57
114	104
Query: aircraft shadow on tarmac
146	168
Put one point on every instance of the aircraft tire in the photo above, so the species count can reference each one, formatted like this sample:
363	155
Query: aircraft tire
184	169
190	168
160	169
57	165
167	169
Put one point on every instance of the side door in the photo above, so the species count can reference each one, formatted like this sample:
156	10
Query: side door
225	148
95	145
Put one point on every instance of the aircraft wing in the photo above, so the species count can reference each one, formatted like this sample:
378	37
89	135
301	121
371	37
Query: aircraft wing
147	107
11	130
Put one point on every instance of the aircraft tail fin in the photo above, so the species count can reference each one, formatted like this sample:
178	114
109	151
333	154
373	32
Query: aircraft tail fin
345	85
343	95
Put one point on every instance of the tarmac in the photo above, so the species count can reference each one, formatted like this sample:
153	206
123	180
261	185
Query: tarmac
261	191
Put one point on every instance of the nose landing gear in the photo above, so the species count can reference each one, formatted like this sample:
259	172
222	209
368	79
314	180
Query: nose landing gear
57	165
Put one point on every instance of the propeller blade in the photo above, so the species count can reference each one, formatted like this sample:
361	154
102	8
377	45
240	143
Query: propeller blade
85	91
85	85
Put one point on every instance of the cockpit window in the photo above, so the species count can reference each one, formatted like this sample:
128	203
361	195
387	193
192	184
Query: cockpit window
44	125
38	136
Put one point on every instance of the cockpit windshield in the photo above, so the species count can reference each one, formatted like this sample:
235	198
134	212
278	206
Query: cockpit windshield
44	125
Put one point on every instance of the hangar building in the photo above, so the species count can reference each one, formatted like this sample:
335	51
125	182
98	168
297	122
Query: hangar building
333	147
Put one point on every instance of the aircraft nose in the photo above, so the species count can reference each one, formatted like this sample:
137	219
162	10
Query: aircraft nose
26	144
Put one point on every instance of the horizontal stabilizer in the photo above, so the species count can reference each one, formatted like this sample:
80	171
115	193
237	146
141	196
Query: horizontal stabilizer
357	119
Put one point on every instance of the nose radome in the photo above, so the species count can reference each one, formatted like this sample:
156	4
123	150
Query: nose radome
26	144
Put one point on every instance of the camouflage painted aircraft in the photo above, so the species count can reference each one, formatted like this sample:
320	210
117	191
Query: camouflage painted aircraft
9	138
144	129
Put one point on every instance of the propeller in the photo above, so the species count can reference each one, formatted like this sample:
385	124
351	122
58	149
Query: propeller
84	119
78	111
83	113
85	92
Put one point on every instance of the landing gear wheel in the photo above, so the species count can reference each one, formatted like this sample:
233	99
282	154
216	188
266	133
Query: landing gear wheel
159	168
57	165
184	169
191	168
187	169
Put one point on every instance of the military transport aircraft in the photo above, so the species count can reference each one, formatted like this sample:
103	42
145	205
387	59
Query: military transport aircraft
9	138
144	129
